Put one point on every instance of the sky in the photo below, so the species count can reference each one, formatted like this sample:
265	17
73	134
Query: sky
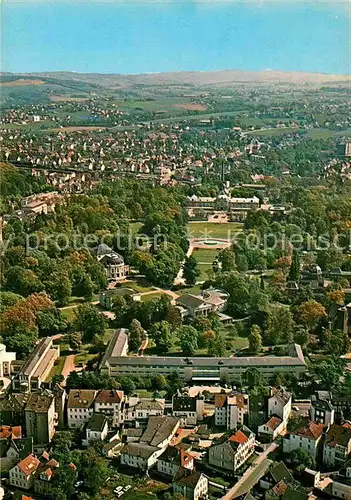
157	36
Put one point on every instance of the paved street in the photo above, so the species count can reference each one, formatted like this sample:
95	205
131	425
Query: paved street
252	474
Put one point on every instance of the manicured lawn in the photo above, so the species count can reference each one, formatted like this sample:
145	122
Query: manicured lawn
204	255
139	287
196	289
83	357
203	268
151	296
208	230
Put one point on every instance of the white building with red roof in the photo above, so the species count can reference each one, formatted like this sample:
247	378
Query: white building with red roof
22	474
232	453
307	437
272	429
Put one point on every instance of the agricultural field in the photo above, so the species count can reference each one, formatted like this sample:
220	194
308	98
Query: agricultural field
213	229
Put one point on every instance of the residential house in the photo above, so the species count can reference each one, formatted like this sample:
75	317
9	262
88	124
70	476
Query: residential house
35	413
232	453
279	404
96	429
337	445
40	417
230	410
80	407
272	429
189	409
136	410
322	411
172	459
153	442
113	448
110	402
190	485
277	472
307	437
44	475
22	474
13	449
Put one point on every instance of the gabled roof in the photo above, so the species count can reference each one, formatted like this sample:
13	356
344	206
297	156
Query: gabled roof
189	300
239	438
7	431
311	431
338	435
109	396
81	398
158	429
190	480
274	422
28	465
280	471
97	422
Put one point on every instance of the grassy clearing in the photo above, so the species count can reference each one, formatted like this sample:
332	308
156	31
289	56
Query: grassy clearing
56	369
68	313
204	268
196	289
208	230
204	255
151	296
275	131
108	334
139	287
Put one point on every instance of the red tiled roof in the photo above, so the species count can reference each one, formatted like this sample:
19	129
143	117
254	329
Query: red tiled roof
239	437
274	422
29	465
220	400
7	431
311	431
109	396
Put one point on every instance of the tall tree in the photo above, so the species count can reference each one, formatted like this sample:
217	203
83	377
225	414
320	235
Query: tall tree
255	339
89	321
190	270
136	335
294	272
188	339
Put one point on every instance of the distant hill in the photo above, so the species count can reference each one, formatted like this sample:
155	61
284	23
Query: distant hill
198	78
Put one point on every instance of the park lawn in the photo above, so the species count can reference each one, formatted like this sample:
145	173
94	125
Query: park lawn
68	313
83	357
204	255
203	268
151	296
139	287
195	290
208	230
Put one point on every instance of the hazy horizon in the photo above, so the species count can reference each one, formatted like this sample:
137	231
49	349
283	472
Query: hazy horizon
130	38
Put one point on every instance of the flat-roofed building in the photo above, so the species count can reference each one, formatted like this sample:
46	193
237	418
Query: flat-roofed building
201	369
37	366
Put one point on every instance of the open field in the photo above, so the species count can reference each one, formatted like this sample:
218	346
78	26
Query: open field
75	129
213	229
21	83
191	107
67	98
